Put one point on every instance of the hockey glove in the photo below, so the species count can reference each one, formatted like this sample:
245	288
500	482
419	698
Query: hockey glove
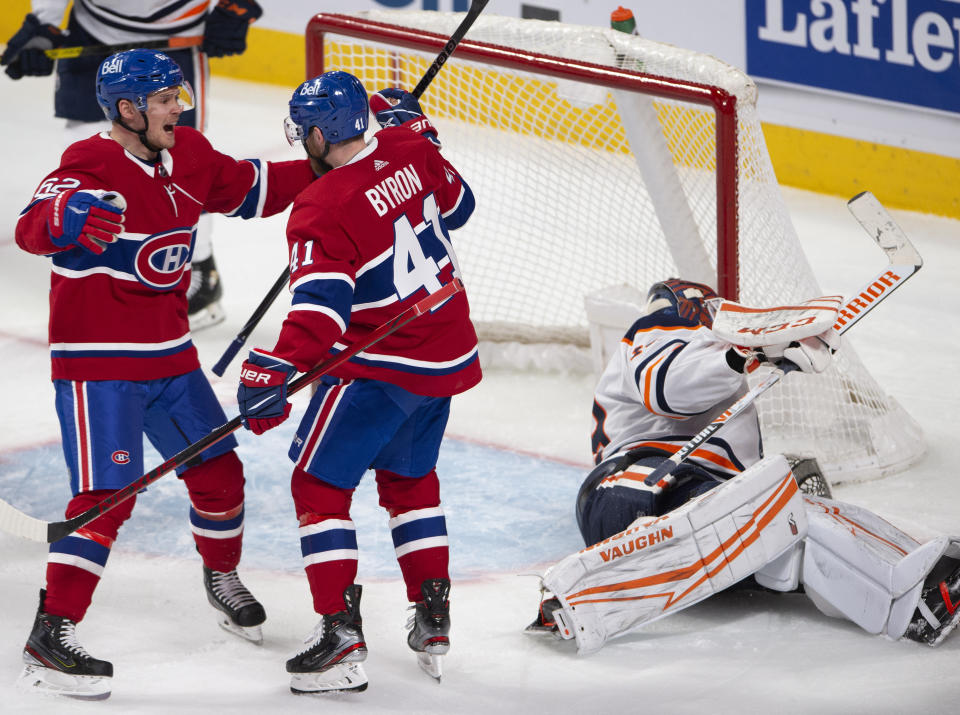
262	395
807	355
89	219
393	107
226	29
24	54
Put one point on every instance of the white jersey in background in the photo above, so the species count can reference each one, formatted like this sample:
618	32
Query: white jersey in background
123	21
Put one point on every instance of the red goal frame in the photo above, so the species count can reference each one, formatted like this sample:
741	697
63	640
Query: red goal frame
723	103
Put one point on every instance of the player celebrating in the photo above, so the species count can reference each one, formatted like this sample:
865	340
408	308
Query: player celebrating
223	29
366	240
123	361
654	549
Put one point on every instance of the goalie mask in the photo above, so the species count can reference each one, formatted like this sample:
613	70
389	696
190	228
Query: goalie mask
691	301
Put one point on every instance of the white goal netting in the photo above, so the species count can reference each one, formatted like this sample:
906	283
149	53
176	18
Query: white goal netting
603	159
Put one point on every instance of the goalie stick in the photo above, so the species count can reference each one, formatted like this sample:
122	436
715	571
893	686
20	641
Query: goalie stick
14	521
476	7
904	261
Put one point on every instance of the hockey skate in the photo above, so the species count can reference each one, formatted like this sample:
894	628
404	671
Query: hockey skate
239	612
332	659
545	621
203	295
429	626
806	470
938	611
56	664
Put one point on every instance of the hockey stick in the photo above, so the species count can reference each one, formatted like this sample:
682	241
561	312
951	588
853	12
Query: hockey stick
476	7
14	521
904	262
239	341
171	43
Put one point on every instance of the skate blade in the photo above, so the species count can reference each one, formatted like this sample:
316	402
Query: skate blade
41	680
254	634
431	665
207	317
340	678
954	621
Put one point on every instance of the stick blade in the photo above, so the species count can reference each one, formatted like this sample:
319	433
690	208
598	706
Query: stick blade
13	521
875	219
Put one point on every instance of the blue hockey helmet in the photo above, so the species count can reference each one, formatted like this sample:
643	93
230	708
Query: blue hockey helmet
692	301
335	102
136	74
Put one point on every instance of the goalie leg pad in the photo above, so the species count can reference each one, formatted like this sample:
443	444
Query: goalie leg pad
859	567
661	565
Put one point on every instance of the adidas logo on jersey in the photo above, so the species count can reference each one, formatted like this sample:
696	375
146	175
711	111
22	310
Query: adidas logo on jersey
378	164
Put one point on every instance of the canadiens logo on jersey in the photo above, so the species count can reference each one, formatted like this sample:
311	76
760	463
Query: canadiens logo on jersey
162	259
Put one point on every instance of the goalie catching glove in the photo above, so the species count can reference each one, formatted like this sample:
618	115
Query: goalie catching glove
393	107
262	394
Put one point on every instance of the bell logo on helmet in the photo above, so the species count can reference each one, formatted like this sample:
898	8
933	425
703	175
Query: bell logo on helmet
310	89
112	66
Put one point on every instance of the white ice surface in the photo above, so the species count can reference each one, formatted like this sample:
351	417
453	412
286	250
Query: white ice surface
509	475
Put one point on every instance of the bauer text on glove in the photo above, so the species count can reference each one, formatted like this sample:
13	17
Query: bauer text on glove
262	394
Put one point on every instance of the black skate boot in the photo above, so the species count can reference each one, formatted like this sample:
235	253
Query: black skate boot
938	611
240	613
331	661
203	295
806	470
56	664
429	635
545	621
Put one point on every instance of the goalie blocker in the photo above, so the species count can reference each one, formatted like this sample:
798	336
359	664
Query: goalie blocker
851	563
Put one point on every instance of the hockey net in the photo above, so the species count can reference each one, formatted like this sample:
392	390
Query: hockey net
601	159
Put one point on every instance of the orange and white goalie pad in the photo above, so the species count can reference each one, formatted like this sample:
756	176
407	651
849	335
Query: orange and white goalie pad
661	565
857	566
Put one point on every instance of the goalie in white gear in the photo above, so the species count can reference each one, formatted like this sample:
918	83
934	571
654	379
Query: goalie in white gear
730	514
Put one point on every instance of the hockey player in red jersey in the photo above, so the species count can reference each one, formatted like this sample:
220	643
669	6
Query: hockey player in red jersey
117	219
220	28
730	515
366	240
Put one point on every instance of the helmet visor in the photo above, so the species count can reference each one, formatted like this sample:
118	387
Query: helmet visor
185	96
292	130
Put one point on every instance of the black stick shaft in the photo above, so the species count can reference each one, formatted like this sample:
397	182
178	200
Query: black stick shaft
261	310
476	7
171	43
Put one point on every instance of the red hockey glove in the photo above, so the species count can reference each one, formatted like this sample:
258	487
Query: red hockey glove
89	219
393	107
262	394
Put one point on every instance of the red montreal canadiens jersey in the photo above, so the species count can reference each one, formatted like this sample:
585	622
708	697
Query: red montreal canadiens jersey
122	315
367	240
